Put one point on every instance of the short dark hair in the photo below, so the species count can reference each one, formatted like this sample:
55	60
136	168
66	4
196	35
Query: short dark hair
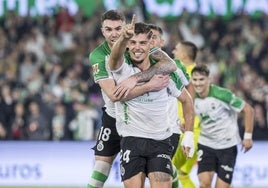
157	28
201	69
191	49
143	28
112	15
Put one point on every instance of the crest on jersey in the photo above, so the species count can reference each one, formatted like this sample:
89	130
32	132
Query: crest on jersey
100	146
95	68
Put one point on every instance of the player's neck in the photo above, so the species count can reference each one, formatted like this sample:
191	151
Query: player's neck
205	93
144	65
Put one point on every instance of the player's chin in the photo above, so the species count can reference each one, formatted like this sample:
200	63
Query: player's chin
113	41
198	89
137	60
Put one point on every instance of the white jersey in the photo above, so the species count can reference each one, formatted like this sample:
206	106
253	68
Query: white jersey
218	115
174	119
108	104
146	115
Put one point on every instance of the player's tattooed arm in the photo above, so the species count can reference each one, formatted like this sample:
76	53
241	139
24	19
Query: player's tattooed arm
164	66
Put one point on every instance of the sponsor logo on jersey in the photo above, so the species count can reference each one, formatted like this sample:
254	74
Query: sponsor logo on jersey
165	156
227	168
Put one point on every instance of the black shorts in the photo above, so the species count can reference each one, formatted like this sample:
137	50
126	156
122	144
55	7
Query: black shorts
221	161
174	138
108	141
144	155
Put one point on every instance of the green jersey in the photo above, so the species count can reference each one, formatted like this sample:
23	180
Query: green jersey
97	60
182	67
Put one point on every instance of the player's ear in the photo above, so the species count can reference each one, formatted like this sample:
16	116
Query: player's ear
162	42
152	43
127	48
102	31
209	79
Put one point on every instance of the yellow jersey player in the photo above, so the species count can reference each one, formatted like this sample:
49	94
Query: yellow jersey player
186	52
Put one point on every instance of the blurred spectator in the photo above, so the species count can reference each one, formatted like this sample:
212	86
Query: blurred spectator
60	124
7	104
83	123
37	126
191	32
65	23
35	44
27	67
18	125
260	129
64	20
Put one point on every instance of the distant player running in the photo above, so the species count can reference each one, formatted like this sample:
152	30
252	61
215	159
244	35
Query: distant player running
218	109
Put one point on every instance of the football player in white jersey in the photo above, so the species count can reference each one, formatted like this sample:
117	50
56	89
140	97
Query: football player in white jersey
108	141
143	121
218	108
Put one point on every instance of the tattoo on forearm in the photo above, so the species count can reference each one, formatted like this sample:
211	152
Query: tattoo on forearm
165	65
158	54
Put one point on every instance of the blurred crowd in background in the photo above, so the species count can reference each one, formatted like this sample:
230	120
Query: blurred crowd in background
46	84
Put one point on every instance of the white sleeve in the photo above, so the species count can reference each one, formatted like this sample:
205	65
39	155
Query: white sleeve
183	78
173	90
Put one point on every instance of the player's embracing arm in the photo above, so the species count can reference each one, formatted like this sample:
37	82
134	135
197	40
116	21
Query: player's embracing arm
97	60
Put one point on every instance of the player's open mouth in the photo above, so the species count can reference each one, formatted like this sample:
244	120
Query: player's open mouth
137	54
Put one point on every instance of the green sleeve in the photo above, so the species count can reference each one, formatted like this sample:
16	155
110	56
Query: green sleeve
183	68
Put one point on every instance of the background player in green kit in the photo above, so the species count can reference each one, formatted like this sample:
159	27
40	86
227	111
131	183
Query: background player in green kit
108	141
218	108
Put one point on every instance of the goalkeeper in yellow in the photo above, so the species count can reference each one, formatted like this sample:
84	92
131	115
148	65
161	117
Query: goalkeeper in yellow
186	52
